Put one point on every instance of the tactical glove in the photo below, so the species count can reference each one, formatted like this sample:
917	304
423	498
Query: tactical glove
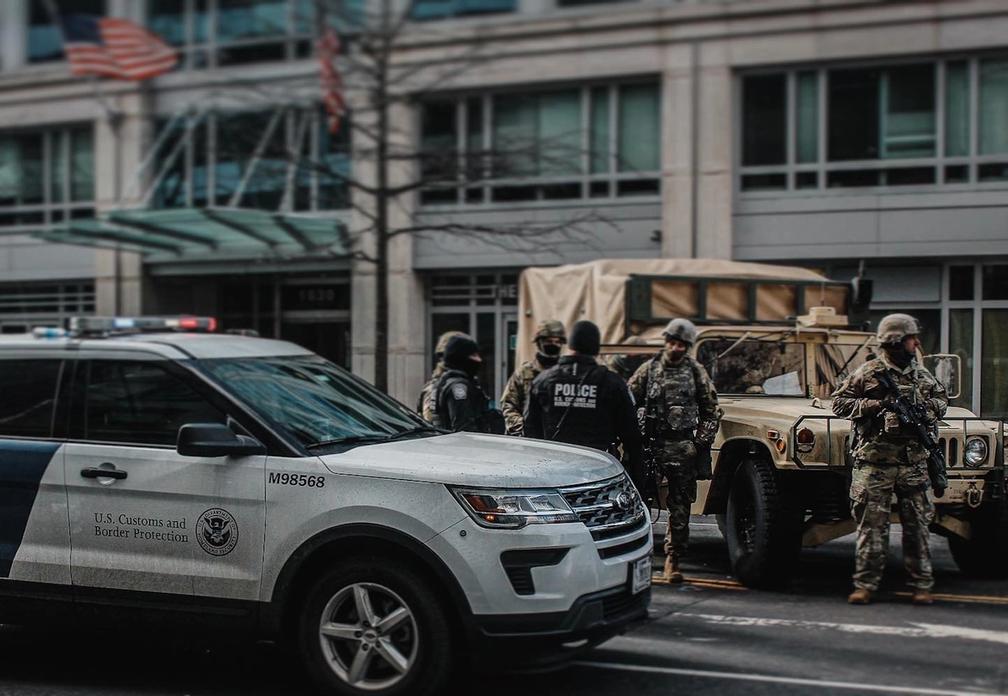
703	462
938	492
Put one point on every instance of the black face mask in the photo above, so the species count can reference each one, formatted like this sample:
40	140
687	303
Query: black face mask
550	349
899	356
471	367
548	360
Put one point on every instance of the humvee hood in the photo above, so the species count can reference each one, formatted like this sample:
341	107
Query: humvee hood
489	461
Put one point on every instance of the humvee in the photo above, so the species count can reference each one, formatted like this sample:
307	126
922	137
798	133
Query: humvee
776	342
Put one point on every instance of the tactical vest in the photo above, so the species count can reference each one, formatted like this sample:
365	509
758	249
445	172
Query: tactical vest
672	396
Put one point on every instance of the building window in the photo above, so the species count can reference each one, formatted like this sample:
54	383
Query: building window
212	33
564	144
24	306
44	40
915	124
282	159
442	9
46	176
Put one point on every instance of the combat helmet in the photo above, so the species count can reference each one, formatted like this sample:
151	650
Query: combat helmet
550	328
893	328
443	339
682	330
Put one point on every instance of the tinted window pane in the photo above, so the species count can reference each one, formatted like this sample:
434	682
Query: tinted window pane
29	389
853	114
142	403
764	120
961	283
44	41
957	126
807	117
993	106
995	282
439	140
993	367
909	126
639	130
961	343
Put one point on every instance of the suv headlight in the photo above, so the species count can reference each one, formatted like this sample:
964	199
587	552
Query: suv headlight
975	452
513	509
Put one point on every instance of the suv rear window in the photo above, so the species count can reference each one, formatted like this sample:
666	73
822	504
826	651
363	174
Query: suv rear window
29	394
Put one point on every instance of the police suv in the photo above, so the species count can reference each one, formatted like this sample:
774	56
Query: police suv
224	481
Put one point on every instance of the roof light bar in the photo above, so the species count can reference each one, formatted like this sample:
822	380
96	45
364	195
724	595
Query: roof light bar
113	325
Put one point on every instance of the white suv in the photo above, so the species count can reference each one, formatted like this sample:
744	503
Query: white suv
226	481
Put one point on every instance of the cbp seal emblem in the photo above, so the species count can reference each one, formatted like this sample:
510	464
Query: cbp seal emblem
217	532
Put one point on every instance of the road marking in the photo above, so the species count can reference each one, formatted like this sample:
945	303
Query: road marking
914	630
969	599
766	678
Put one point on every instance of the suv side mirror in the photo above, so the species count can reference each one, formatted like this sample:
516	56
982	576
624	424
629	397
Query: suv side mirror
215	440
947	369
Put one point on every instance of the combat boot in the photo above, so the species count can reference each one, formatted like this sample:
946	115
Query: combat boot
859	596
672	572
922	597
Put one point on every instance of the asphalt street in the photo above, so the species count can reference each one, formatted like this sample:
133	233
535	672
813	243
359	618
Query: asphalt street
708	636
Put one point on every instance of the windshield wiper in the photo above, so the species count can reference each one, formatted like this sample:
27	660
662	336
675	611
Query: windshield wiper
360	439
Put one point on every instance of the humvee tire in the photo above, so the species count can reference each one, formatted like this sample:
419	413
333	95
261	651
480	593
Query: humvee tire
763	539
985	555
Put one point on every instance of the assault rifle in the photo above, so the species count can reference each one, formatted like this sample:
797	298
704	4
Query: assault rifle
651	473
915	418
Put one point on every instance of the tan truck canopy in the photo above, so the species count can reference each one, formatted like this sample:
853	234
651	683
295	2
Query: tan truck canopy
628	296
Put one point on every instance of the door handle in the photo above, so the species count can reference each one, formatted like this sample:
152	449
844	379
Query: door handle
103	473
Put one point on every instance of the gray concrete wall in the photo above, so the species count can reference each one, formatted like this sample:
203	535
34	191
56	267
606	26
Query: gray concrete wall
889	225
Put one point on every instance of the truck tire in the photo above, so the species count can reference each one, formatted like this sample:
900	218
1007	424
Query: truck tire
373	626
985	555
763	538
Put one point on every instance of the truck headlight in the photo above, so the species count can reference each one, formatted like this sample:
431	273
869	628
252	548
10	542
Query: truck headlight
975	452
513	509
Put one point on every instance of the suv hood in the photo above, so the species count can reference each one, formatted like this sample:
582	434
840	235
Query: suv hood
470	459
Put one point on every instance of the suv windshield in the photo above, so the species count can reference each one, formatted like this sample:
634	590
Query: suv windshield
754	366
315	401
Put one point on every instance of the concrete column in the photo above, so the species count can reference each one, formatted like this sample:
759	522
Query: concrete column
678	152
13	34
118	148
715	136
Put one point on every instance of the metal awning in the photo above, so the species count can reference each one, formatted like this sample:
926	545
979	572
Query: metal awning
208	234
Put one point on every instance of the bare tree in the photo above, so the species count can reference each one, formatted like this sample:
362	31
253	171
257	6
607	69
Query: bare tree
388	64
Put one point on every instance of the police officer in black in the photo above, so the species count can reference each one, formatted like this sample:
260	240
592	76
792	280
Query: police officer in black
581	402
459	401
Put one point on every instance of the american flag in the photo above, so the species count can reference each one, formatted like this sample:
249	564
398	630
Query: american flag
113	47
332	81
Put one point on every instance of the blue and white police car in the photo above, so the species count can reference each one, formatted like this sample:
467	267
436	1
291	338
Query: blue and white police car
219	481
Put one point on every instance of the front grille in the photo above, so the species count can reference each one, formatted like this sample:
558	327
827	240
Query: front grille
609	508
627	547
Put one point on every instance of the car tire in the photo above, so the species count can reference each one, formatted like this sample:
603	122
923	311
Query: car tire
763	539
347	650
985	555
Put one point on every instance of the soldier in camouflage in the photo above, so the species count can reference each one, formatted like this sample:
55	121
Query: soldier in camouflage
425	402
549	338
681	416
889	459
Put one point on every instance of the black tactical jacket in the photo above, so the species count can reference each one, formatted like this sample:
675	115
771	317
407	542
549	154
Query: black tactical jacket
581	402
461	404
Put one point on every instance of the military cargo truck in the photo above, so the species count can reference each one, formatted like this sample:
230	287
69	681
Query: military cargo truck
777	341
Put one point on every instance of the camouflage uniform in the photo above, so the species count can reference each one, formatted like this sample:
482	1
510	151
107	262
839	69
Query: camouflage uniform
516	391
889	459
426	400
681	409
515	395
